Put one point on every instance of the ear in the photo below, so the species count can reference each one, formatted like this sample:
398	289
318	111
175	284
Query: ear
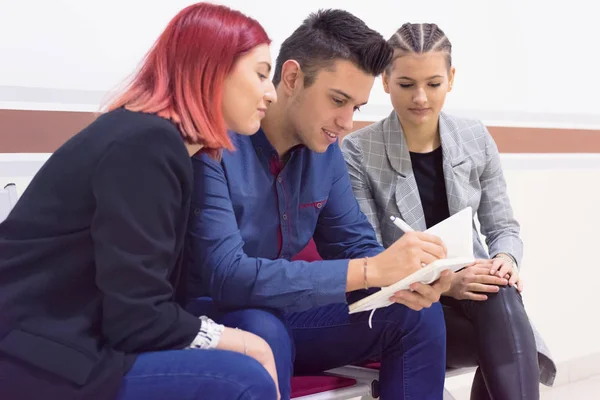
291	76
451	78
385	79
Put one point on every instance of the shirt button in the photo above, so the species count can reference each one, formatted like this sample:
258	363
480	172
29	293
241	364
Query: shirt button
279	179
319	205
284	216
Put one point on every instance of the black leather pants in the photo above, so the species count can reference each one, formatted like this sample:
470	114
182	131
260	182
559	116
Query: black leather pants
496	336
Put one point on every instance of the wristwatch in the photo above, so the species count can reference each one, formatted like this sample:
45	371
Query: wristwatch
209	335
507	257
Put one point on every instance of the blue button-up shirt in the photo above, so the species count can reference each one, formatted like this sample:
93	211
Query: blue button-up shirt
250	215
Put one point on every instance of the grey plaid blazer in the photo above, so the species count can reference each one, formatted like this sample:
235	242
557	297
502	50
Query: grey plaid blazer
384	184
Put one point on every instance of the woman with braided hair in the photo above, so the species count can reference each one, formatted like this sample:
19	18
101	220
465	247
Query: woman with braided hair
425	165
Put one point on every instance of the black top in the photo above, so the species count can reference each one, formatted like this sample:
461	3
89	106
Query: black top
90	261
429	174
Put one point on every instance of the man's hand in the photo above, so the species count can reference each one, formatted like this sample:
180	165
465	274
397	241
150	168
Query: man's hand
407	255
423	296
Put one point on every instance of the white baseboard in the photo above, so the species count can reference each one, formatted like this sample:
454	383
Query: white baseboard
577	369
568	372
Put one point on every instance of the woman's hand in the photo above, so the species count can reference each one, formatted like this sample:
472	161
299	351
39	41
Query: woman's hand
473	281
253	346
504	267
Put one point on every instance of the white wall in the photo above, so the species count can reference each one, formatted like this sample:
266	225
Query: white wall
555	198
19	168
519	62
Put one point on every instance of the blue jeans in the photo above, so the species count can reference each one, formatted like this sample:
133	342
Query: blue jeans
411	345
197	374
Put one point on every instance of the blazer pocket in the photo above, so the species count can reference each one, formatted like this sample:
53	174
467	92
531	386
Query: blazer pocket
466	178
57	358
463	170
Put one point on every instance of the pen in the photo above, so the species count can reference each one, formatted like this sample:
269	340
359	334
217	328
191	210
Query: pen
401	224
404	227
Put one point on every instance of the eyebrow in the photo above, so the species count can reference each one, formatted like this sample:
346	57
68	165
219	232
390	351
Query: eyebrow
411	79
346	95
267	64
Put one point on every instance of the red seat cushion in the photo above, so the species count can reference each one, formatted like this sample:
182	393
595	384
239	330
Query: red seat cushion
306	385
373	365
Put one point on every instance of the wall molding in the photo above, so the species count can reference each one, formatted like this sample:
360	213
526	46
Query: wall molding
27	164
43	131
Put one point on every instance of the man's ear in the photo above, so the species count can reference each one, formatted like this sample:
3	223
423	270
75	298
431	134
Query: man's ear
291	76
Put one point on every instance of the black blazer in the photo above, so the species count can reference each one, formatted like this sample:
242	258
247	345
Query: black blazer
91	261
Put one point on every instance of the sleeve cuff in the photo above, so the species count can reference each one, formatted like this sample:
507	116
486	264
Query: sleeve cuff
208	336
330	287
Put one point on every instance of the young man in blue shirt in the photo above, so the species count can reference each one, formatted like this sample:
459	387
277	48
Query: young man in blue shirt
261	204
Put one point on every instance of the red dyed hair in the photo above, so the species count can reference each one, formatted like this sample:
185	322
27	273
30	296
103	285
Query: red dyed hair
182	76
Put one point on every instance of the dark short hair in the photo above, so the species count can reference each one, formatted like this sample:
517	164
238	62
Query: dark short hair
329	35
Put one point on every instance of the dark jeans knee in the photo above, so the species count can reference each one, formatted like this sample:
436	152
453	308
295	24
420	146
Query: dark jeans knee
429	322
260	384
269	325
418	327
415	348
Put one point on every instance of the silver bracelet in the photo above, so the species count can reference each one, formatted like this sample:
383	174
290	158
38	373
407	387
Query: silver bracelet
209	335
506	257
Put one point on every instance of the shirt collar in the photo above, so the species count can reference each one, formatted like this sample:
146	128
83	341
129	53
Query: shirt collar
263	146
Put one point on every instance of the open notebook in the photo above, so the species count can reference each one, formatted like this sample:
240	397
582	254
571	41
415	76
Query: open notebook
457	234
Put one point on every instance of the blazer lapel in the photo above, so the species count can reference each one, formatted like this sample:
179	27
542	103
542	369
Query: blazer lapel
407	196
457	166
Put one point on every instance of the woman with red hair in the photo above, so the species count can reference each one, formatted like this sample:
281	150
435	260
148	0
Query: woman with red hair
91	276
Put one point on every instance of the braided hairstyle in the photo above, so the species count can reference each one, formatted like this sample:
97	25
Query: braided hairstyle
420	38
